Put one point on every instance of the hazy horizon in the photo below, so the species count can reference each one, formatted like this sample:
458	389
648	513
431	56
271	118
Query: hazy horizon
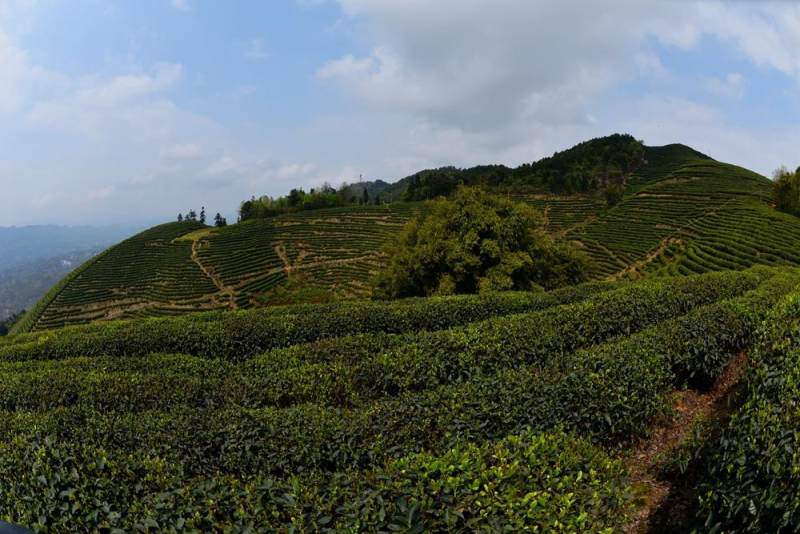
133	112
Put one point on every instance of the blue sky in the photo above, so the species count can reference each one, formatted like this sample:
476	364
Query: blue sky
130	112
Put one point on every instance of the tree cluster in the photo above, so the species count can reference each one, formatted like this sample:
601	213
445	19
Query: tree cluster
595	165
325	196
191	216
787	191
476	242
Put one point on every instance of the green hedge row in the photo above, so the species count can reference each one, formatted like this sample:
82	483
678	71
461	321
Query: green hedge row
416	362
238	335
530	482
608	393
754	479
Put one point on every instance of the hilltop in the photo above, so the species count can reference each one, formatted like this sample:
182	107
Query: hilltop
679	212
614	405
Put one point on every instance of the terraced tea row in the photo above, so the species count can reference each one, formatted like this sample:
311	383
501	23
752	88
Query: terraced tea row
189	436
351	371
336	249
246	333
751	482
150	270
634	233
681	213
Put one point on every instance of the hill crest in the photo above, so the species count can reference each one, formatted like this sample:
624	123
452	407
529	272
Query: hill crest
681	213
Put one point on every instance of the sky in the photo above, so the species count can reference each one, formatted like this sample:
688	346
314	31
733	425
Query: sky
133	111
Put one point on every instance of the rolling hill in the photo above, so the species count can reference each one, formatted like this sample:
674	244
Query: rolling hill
437	414
26	283
682	213
658	397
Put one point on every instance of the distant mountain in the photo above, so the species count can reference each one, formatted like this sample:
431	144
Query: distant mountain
25	244
25	283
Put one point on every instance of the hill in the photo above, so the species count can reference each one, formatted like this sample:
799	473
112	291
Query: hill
426	415
26	283
681	212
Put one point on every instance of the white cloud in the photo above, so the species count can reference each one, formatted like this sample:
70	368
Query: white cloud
733	85
508	81
183	151
295	171
181	5
101	193
256	50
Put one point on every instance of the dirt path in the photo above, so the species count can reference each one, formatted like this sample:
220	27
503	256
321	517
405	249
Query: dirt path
643	461
221	287
288	267
637	266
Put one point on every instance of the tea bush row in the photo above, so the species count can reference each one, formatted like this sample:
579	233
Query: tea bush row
239	335
608	393
753	483
526	482
349	371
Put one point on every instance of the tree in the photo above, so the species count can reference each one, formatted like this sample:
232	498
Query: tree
365	196
180	217
220	221
203	215
296	197
613	194
476	242
191	216
787	191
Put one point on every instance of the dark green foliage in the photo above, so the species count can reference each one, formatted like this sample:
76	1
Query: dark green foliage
477	242
297	200
8	323
180	443
590	166
239	335
150	268
432	183
787	191
552	482
753	484
613	194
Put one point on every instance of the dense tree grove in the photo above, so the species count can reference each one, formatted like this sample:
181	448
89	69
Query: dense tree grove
787	191
591	166
477	242
297	200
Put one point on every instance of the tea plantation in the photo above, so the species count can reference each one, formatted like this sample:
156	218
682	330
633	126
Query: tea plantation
235	379
471	413
681	213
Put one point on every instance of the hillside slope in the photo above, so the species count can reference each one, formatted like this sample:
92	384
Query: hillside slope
455	414
681	213
26	283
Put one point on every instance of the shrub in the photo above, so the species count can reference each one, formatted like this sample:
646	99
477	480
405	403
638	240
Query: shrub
752	484
477	242
787	191
240	335
526	482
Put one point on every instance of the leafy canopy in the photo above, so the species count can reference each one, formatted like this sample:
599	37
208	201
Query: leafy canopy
475	242
787	191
